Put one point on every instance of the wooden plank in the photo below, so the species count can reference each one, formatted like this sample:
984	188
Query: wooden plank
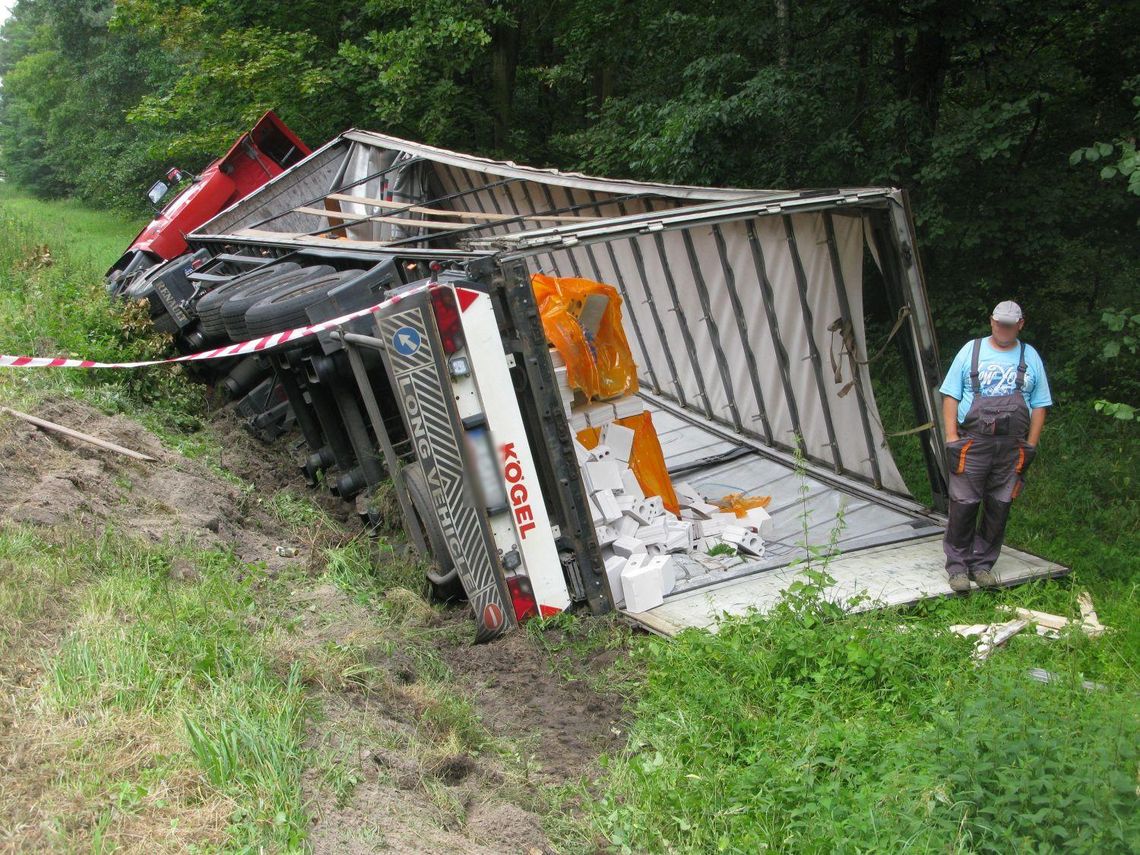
334	207
996	636
376	218
82	437
467	215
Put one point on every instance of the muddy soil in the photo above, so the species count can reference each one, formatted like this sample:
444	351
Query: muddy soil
48	479
428	801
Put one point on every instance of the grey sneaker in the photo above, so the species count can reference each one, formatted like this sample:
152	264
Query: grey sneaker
985	579
960	583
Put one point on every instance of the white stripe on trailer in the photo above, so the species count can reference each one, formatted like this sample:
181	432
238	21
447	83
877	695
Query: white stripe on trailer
500	405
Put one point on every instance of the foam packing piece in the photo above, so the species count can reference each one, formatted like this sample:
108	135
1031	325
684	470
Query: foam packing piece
642	586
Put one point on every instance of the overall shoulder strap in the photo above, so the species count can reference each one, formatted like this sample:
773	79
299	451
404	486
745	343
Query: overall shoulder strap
975	383
1021	368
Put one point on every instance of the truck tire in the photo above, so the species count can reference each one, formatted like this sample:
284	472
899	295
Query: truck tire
284	308
442	573
209	307
234	309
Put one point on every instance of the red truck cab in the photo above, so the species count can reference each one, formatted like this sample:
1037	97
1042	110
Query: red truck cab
262	153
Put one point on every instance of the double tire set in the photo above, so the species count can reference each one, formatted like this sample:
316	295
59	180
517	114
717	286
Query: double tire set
319	388
267	300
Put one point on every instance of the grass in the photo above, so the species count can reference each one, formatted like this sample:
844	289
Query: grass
156	715
166	698
811	730
151	713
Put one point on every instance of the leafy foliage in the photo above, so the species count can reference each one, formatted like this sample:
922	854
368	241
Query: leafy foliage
1012	125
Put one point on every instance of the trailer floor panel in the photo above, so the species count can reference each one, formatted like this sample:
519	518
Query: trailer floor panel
889	555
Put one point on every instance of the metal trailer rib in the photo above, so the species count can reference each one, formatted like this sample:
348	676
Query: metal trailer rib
554	268
686	335
813	348
845	309
713	329
769	300
639	262
321	198
628	302
553	207
742	331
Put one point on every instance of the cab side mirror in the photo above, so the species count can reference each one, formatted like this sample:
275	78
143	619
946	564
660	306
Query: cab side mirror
157	191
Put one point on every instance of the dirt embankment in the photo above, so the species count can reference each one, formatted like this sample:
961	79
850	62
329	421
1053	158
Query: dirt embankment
422	742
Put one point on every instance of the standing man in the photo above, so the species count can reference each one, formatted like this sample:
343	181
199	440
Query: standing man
996	394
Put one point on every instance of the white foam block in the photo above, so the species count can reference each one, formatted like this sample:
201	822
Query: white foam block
598	414
703	509
656	506
614	565
712	527
627	546
642	587
627	526
595	512
620	440
664	565
606	535
652	533
744	539
759	519
628	406
607	505
641	512
581	453
603	475
601	452
630	485
687	494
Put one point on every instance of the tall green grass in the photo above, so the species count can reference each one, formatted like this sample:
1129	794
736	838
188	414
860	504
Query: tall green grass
812	731
53	303
176	658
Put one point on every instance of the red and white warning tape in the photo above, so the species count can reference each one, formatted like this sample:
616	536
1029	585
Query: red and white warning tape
240	349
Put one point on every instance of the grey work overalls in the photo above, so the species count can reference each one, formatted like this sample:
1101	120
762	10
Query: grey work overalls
987	464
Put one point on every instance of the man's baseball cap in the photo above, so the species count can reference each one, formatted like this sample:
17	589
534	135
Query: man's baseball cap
1007	312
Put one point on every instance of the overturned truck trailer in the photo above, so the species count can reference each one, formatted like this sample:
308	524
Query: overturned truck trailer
744	311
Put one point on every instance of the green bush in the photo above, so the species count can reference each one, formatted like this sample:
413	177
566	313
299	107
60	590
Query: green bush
808	731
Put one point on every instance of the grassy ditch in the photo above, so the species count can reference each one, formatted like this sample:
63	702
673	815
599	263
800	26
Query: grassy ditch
172	681
811	730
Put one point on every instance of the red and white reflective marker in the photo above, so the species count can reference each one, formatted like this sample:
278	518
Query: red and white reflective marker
240	349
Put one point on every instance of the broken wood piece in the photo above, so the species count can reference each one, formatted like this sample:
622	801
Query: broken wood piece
968	630
1053	624
82	437
995	636
1040	618
1090	623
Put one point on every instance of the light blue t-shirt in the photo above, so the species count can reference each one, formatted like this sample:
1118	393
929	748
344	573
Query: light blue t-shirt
997	375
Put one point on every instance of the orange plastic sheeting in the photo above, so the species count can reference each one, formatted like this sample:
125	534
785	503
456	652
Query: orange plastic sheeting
740	504
600	366
646	460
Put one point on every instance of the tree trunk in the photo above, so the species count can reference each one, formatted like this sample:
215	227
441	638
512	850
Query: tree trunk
784	32
504	63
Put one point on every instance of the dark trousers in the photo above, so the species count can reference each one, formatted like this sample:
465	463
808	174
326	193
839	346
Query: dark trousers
985	475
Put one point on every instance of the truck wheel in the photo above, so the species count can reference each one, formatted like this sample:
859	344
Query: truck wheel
209	307
284	308
442	572
234	309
